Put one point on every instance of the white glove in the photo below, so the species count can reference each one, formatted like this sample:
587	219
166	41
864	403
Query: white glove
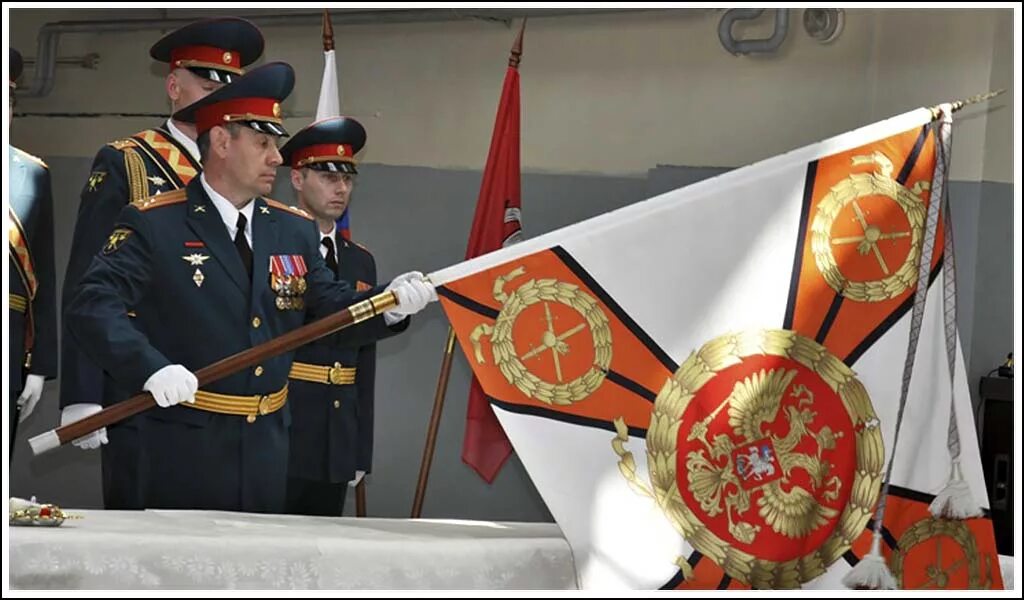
413	293
77	412
30	395
359	477
172	385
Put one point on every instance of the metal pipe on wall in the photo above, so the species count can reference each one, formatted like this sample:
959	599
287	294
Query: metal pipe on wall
48	39
752	46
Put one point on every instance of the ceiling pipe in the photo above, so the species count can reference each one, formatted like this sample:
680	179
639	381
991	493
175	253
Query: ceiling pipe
49	34
752	46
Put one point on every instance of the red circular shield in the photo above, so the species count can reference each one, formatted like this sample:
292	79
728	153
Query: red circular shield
783	453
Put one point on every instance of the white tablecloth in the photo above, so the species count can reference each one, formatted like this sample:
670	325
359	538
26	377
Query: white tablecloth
211	550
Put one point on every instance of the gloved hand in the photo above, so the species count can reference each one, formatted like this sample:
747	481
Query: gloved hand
172	385
355	480
77	412
413	293
30	395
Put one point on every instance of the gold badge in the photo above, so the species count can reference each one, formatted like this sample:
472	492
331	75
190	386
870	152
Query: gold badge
341	150
227	58
116	240
277	110
196	259
95	179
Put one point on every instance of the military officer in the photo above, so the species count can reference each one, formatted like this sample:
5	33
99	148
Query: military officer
332	380
215	269
33	307
202	57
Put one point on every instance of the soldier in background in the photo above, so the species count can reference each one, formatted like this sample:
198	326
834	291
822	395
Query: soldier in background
33	293
332	380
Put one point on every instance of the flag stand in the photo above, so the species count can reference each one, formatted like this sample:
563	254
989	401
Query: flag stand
449	349
435	421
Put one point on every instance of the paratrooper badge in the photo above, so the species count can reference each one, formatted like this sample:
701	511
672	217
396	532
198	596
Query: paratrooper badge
765	454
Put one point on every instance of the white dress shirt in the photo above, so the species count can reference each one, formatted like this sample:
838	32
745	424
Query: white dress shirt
334	241
184	140
228	212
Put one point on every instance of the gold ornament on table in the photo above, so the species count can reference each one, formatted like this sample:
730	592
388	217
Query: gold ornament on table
31	513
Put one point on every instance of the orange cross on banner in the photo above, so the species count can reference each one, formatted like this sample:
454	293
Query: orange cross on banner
861	230
543	343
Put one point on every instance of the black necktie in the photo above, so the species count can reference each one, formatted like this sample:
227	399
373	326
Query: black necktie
331	258
244	251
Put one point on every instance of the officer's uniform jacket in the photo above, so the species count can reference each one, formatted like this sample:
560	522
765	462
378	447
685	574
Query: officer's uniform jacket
32	314
172	258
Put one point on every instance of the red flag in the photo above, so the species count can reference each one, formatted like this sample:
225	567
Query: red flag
495	224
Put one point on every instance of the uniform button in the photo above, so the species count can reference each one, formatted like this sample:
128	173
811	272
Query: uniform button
256	322
250	418
259	371
337	404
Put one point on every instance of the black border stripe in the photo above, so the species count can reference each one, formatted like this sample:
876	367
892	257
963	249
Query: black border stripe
830	318
887	536
547	413
851	558
467	303
673	583
620	314
909	494
724	583
627	383
915	153
889	321
805	215
889	539
695	558
678	578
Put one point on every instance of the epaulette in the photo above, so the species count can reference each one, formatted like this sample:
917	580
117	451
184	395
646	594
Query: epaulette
122	144
292	209
32	158
164	199
365	249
